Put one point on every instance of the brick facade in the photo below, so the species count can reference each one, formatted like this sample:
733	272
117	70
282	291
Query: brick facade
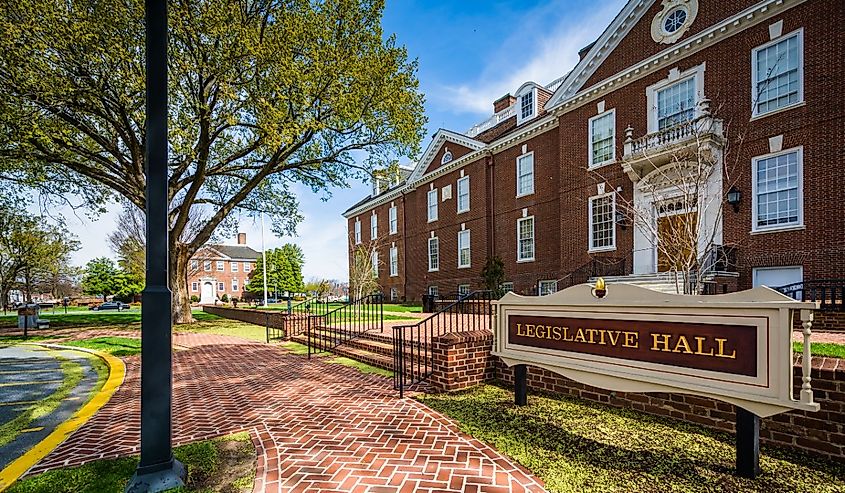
216	266
463	360
564	183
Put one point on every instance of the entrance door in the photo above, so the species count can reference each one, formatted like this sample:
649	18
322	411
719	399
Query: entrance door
207	293
676	240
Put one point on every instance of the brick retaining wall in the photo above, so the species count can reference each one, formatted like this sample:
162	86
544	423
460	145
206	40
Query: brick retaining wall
292	324
829	321
464	360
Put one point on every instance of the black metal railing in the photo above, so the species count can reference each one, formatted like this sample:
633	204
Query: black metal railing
718	258
281	326
412	355
329	330
599	266
829	292
311	306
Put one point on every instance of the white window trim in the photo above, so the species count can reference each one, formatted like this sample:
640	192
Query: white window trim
519	118
612	159
458	202
778	228
206	266
651	93
373	226
533	239
247	267
393	220
235	285
462	292
429	194
756	270
428	254
394	254
612	247
508	284
435	289
221	266
357	231
195	286
469	247
533	168
540	283
800	102
374	263
234	267
195	265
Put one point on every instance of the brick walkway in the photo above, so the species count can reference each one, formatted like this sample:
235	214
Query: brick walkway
316	426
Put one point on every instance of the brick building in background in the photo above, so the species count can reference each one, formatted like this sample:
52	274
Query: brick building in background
215	270
563	180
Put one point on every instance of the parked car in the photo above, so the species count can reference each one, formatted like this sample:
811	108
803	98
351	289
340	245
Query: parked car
110	305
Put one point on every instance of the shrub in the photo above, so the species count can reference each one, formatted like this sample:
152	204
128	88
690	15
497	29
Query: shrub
195	299
224	298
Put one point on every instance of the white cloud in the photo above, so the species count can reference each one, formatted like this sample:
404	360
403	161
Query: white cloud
550	56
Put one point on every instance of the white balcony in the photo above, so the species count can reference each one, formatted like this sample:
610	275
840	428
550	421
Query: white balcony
491	122
688	141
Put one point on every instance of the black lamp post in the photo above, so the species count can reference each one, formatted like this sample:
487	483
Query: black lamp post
157	470
734	198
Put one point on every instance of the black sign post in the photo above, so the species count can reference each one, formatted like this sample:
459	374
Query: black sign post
157	470
747	444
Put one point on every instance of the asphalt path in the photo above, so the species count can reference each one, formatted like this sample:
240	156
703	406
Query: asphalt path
29	374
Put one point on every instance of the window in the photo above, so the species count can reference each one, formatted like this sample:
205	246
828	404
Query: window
206	265
602	227
357	231
526	105
433	254
195	264
463	194
463	290
777	74
373	226
221	286
447	156
547	287
394	261
393	222
432	205
374	260
433	291
220	265
775	277
675	20
525	239
234	266
463	249
777	199
195	286
247	266
525	174
602	138
234	285
507	287
394	294
676	103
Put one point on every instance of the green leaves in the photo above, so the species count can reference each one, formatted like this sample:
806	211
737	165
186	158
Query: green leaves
102	277
284	271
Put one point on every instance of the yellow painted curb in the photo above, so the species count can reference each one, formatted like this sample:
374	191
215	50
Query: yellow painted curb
117	371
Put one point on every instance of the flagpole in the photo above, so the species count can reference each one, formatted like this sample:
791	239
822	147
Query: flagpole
264	259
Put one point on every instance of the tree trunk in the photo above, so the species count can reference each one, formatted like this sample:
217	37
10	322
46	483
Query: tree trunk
178	274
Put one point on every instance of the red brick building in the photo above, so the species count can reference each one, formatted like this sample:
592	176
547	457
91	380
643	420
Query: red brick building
216	270
592	173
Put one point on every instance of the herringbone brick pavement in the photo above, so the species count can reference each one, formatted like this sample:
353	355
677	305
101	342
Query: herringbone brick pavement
316	426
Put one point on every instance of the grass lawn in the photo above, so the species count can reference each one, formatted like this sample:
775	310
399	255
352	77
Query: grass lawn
825	349
224	464
302	350
116	346
212	324
575	446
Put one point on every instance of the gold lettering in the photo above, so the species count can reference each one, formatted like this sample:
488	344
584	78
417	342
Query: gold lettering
565	334
682	341
592	333
631	340
700	343
540	331
601	337
579	337
721	353
655	343
556	333
519	331
529	330
613	340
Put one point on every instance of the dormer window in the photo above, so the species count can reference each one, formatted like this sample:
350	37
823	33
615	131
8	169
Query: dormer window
526	105
447	156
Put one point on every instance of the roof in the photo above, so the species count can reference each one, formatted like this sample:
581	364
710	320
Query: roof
236	251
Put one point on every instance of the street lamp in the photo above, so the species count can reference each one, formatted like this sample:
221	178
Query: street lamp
157	469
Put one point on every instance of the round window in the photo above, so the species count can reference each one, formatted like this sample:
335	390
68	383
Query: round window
674	21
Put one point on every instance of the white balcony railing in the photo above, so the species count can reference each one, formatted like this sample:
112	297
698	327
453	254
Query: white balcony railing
491	122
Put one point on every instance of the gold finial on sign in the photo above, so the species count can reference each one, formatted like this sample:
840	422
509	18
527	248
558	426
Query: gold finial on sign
600	289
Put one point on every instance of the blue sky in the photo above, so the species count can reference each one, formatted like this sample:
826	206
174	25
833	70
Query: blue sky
470	53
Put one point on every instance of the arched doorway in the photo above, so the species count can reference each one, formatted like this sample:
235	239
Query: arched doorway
207	297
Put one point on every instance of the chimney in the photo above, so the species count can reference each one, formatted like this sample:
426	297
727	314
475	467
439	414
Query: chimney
241	238
503	102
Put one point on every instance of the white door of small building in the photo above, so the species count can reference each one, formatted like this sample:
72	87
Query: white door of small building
207	293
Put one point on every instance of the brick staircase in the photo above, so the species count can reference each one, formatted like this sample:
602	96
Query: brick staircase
372	348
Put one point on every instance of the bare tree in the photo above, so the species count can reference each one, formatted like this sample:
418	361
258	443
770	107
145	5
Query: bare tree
363	278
